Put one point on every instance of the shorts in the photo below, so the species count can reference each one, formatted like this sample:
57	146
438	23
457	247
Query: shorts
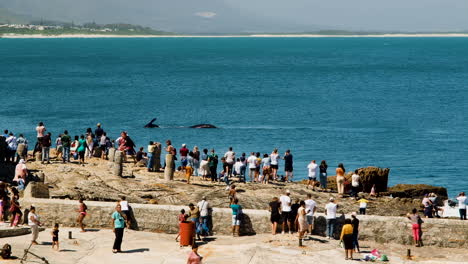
103	147
82	154
274	166
288	168
310	219
275	218
312	178
235	221
131	152
285	216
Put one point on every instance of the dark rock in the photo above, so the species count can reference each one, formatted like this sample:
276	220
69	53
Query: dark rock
416	191
369	177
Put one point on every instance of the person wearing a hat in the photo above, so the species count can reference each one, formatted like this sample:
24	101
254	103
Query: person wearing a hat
330	213
98	131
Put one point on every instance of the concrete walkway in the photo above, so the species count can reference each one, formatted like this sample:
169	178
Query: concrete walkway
95	246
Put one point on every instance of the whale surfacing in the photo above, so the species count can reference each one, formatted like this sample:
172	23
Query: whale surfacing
150	124
203	126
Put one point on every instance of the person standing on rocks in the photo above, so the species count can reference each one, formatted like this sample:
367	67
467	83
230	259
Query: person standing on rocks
196	161
274	157
33	222
213	164
82	146
81	214
204	164
355	223
230	159
59	147
285	201
183	151
323	175
311	208
40	130
189	167
330	215
46	143
15	208
416	222
252	161
66	143
355	179
21	172
312	168
11	147
462	205
22	150
288	166
340	171
118	219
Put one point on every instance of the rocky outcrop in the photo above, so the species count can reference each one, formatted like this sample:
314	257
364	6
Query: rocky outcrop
36	190
369	177
416	191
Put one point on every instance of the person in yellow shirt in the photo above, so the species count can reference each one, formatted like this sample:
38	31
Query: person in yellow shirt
362	205
347	238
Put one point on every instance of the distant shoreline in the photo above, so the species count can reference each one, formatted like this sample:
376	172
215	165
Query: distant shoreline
39	36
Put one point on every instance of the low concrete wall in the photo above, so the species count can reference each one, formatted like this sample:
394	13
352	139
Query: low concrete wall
163	218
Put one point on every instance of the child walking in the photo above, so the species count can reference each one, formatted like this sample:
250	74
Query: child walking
55	237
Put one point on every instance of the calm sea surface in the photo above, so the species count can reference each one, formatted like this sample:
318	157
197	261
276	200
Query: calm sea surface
399	103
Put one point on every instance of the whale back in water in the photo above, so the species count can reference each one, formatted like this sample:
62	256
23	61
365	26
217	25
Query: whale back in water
150	124
203	126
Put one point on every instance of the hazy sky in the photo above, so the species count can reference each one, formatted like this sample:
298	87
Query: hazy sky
258	15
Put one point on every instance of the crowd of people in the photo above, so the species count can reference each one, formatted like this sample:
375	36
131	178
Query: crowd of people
286	215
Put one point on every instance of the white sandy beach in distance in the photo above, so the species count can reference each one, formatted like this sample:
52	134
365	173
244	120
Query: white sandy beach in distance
39	36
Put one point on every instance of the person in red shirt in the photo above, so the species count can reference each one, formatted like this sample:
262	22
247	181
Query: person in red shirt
183	156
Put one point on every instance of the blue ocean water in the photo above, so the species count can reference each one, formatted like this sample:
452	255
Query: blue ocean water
390	102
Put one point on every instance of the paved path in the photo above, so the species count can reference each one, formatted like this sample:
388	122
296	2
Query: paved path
94	247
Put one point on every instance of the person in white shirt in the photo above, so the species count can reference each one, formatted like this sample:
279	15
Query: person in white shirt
355	178
11	148
204	207
312	167
230	159
330	213
285	201
311	208
462	205
252	161
125	209
238	167
274	157
33	222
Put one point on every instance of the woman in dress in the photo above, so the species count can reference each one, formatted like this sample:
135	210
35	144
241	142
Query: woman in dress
323	175
340	171
347	239
15	208
81	214
301	219
416	222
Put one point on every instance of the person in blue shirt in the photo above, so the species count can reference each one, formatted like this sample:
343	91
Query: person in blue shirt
236	217
119	225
